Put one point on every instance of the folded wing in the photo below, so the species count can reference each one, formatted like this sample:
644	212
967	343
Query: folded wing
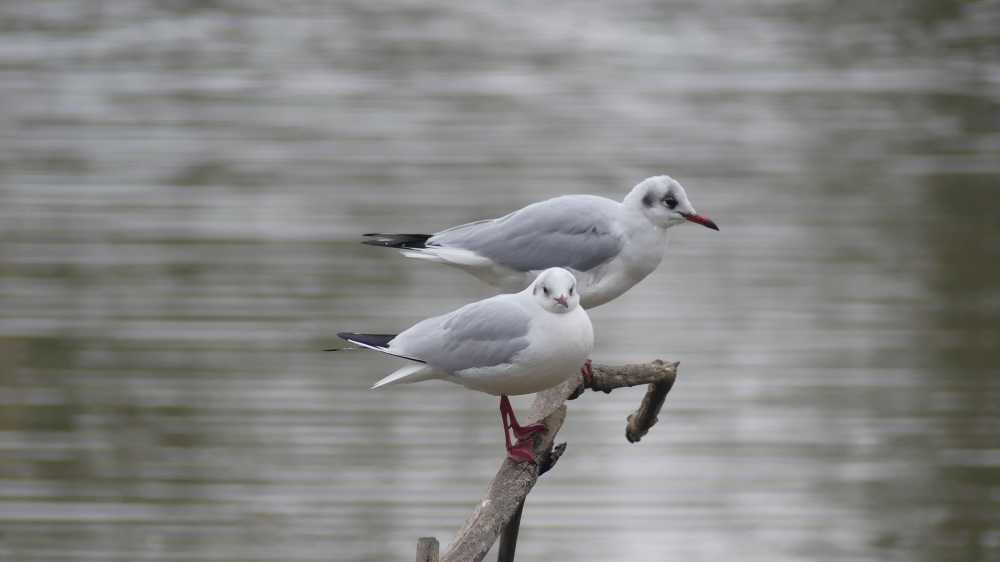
575	231
482	334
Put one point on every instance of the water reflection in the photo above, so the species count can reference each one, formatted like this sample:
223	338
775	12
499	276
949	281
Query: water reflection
963	348
182	186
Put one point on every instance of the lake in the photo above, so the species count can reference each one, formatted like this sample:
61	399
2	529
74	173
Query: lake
184	183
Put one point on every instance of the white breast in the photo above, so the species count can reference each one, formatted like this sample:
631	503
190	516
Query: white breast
640	257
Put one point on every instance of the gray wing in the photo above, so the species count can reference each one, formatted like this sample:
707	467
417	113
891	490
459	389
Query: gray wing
574	231
481	334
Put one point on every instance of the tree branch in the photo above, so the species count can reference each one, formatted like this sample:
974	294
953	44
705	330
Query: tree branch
505	496
659	375
508	539
427	549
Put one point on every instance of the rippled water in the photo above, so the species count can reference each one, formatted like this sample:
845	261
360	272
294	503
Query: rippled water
183	185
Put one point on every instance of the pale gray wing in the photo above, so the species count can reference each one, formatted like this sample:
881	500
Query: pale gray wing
574	231
481	334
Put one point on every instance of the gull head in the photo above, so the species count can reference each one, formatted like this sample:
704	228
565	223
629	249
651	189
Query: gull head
555	290
662	200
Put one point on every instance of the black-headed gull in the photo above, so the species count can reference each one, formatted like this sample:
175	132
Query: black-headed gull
608	246
508	344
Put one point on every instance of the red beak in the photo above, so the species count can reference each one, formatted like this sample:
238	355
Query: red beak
700	219
562	300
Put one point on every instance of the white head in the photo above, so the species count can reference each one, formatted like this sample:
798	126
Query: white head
662	200
555	290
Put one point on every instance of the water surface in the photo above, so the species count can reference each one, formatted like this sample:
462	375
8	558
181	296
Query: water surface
183	185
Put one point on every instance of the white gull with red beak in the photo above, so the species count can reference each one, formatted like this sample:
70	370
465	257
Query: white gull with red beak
608	246
508	344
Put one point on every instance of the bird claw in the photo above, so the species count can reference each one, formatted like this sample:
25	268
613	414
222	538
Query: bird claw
522	451
588	374
522	431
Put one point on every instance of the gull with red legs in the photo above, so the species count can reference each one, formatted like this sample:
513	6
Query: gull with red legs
509	344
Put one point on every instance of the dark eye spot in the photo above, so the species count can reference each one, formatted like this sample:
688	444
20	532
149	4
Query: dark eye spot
571	291
545	290
669	201
649	199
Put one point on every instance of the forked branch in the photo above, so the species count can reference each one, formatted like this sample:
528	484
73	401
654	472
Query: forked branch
499	511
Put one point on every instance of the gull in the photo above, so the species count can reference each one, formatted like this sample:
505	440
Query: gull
509	344
609	246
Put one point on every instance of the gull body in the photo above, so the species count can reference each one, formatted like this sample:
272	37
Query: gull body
607	245
509	344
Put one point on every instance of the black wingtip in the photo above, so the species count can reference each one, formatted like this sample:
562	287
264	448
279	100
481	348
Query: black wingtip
401	241
375	340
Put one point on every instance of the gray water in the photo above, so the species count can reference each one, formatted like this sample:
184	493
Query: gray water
183	184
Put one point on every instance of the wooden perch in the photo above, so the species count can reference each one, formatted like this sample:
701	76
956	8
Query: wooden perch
500	510
427	549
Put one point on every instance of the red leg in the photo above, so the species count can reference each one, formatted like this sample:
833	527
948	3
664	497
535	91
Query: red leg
522	451
510	421
588	374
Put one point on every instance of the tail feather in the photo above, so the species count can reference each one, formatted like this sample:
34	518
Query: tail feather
410	374
416	241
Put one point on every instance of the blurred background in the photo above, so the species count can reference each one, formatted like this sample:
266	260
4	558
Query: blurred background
184	183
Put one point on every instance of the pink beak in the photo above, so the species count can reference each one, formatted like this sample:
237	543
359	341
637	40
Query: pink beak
562	300
700	219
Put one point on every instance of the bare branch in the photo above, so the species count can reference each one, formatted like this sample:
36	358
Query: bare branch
554	456
608	378
427	549
501	507
508	539
507	491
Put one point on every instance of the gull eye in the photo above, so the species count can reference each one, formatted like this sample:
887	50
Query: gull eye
545	290
571	291
669	201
